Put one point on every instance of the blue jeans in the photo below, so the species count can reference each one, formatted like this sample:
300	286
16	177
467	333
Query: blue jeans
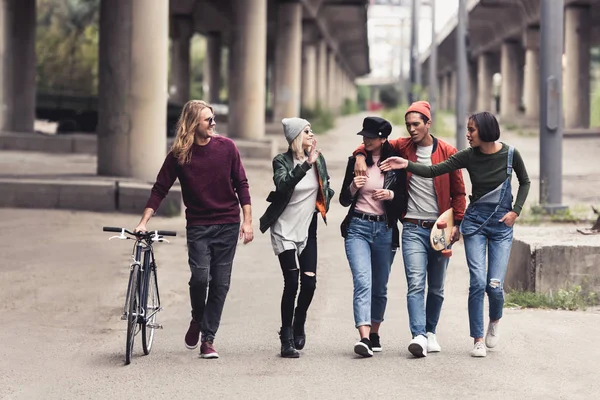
496	239
422	262
369	252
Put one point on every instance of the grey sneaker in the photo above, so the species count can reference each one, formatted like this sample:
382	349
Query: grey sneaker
493	335
418	346
432	343
478	350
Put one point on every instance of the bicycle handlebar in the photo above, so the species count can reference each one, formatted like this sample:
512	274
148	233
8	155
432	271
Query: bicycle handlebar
138	234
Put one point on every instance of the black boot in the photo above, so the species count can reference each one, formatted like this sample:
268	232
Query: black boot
287	343
299	334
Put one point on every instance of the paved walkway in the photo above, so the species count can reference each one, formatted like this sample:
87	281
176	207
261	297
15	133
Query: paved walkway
62	287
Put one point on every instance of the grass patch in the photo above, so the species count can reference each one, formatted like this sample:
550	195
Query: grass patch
595	115
321	120
536	215
571	298
349	107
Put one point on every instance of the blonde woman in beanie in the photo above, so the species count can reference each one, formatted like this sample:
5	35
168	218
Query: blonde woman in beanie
301	193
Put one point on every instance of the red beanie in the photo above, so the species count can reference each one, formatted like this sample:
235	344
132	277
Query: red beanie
422	107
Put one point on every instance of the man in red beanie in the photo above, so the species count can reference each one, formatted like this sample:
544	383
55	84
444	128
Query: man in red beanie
427	199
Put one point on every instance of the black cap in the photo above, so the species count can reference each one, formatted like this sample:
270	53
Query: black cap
375	127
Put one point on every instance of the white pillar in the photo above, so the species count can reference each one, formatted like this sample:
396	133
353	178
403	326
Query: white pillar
531	85
288	61
247	69
309	76
509	69
331	81
484	82
452	90
182	29
212	72
473	87
17	65
577	72
132	89
322	72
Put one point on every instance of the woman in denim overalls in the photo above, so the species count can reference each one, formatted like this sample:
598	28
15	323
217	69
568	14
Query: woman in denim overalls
487	226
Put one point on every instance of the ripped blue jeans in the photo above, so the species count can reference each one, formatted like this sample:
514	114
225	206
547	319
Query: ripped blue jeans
495	239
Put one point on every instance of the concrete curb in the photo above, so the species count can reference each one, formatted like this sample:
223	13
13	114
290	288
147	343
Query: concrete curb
79	143
105	195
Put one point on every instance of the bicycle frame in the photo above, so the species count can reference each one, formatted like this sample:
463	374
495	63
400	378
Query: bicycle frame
147	264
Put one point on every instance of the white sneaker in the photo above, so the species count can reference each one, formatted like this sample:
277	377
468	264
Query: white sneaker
478	350
418	346
432	343
493	335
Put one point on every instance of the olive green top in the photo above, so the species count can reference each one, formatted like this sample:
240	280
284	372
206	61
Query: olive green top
487	171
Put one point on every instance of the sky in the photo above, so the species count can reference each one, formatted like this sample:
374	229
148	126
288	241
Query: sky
385	36
444	11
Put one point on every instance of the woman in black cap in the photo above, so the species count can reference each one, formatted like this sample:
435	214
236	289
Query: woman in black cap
370	231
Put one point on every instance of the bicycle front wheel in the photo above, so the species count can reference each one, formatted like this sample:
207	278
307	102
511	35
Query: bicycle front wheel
152	308
132	312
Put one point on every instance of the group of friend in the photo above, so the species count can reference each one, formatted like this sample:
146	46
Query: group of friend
410	180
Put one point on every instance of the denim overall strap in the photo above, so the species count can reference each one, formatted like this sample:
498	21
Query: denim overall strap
509	167
503	187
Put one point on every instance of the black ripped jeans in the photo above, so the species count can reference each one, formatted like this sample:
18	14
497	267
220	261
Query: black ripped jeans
291	273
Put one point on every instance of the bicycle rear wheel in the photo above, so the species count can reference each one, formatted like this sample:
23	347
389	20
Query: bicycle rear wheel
152	308
132	312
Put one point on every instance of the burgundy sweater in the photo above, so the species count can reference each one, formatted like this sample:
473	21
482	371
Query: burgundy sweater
213	184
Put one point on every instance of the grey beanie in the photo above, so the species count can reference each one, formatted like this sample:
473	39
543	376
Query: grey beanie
292	128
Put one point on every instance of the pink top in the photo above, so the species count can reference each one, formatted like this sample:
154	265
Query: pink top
365	202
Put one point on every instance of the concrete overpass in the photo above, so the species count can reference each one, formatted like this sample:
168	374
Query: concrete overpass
296	52
504	37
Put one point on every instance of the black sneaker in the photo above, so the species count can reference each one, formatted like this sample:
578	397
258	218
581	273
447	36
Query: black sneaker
363	348
375	343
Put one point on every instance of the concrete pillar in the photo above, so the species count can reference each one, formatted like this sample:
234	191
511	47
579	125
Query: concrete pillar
288	61
247	69
577	72
443	91
509	69
472	84
452	90
322	72
182	31
485	75
17	65
132	89
212	72
331	82
531	84
309	76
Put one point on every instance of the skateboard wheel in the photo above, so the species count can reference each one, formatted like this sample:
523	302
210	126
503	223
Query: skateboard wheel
442	225
447	253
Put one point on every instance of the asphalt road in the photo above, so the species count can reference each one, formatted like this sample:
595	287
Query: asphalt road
62	288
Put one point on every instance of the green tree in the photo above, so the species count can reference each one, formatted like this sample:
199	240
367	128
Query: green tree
67	46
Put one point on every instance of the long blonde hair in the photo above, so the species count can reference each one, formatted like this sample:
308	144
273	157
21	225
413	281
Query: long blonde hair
186	130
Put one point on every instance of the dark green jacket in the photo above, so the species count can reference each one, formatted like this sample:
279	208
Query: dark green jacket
286	177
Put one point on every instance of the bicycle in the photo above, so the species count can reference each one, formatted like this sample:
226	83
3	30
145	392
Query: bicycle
142	301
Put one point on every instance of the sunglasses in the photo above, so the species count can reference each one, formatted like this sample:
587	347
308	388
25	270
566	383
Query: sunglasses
212	120
307	131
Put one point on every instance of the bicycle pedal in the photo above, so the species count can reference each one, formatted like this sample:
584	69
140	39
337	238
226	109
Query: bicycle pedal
124	317
154	326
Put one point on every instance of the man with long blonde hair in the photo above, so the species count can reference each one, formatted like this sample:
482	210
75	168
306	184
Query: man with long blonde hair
213	186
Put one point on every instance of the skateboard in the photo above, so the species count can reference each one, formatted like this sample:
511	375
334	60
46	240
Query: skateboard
441	233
